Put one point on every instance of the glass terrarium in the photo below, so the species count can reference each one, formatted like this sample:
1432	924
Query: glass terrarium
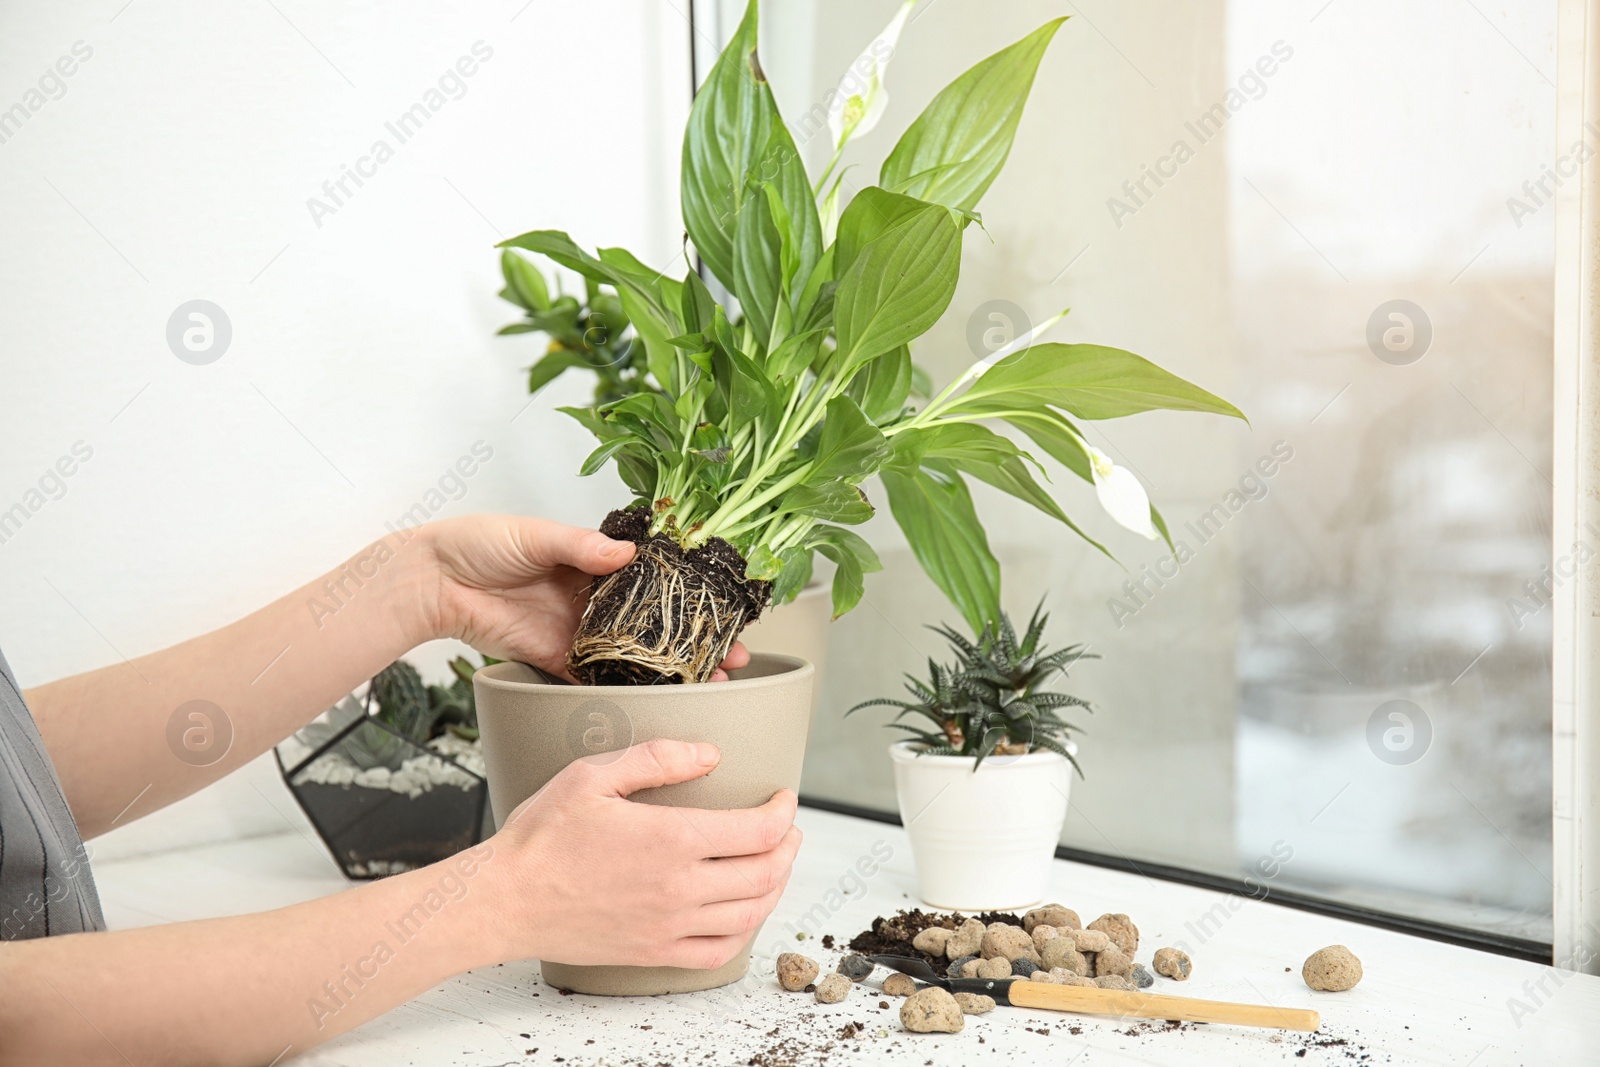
384	802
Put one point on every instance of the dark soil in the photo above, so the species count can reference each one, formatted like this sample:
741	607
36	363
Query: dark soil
892	936
715	568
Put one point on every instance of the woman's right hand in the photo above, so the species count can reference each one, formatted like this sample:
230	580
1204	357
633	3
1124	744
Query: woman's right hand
583	875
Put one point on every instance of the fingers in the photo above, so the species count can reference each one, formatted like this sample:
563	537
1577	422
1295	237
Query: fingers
704	953
589	551
747	877
737	918
648	765
742	831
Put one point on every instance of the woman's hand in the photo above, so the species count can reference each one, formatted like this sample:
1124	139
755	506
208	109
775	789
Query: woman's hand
515	588
583	875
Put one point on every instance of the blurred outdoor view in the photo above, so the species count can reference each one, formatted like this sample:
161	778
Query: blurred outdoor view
1353	662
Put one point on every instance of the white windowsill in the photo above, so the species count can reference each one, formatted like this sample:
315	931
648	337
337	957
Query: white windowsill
1420	1001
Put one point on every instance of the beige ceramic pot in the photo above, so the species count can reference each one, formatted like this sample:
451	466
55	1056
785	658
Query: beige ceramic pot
534	726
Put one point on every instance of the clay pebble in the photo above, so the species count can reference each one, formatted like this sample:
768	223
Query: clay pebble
955	965
1060	953
899	985
1091	940
833	989
1105	981
1041	934
1066	977
1141	977
1051	915
1333	969
1172	963
795	971
932	940
966	940
855	968
1005	940
931	1010
999	967
974	1003
1022	968
1121	930
1112	961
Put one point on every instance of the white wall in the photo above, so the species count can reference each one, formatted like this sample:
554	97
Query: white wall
176	165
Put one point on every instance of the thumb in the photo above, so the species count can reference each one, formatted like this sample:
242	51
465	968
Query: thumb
651	764
590	551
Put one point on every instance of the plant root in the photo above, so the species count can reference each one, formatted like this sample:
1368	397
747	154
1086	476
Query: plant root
668	617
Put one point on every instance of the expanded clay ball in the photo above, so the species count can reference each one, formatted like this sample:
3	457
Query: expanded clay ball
954	966
855	968
999	967
1121	930
974	1003
1107	981
833	989
966	940
1003	939
1173	964
899	985
1112	961
1141	976
932	940
1333	969
795	971
1051	915
1060	954
1041	934
931	1010
1091	940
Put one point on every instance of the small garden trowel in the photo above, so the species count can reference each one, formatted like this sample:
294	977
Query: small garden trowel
1091	1000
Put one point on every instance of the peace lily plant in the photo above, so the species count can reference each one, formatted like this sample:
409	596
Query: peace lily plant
747	451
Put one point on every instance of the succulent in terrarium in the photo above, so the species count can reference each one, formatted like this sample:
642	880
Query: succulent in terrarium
409	708
992	700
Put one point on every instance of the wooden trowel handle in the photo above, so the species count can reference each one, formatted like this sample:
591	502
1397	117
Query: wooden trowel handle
1093	1001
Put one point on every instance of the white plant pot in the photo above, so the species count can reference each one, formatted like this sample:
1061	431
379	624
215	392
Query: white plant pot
982	840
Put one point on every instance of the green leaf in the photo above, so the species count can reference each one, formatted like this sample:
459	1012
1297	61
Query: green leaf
599	456
883	386
956	147
853	559
987	456
872	211
743	387
1055	434
758	277
763	565
898	286
1090	381
736	141
850	447
934	509
551	367
697	304
794	576
830	501
525	282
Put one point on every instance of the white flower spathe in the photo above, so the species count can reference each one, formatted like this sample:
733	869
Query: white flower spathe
861	88
1121	494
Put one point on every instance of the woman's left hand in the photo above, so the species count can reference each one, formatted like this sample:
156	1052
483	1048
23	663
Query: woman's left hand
515	588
